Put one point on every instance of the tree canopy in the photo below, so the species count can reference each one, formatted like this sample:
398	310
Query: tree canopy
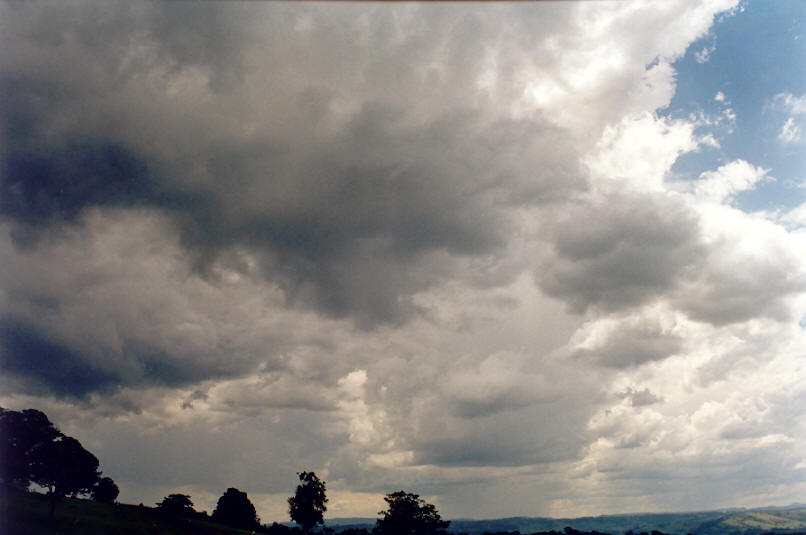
23	434
408	514
105	490
235	510
307	506
178	504
35	451
65	467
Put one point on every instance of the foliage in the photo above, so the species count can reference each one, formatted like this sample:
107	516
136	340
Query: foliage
105	490
234	509
35	451
23	434
307	506
65	467
408	514
178	504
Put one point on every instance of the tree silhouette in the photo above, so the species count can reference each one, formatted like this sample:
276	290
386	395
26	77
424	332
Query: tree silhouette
307	506
408	514
105	490
33	450
21	435
64	467
178	504
235	510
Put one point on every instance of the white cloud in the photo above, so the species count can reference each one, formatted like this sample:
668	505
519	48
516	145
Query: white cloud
641	150
704	54
751	270
795	219
729	179
794	104
790	132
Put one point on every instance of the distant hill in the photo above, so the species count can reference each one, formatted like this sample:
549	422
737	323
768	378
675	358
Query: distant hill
788	519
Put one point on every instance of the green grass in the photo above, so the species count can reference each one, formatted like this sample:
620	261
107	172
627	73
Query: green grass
764	521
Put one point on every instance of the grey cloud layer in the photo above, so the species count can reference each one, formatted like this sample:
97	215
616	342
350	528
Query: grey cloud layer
620	251
361	229
334	165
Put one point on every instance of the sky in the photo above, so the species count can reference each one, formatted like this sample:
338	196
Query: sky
539	258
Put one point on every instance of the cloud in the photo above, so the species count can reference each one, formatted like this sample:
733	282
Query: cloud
790	132
389	172
640	398
628	341
730	179
750	270
731	429
401	248
794	104
704	54
792	129
126	308
618	251
641	150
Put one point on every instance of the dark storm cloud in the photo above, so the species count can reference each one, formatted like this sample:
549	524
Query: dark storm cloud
348	225
542	437
55	184
337	216
124	308
47	365
632	344
620	251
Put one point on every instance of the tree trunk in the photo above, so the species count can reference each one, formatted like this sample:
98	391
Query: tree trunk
52	504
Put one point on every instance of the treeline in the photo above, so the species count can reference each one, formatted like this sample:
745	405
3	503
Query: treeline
33	450
406	513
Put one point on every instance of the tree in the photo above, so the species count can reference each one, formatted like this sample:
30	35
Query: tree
34	450
178	504
235	510
307	505
21	434
65	468
408	514
105	490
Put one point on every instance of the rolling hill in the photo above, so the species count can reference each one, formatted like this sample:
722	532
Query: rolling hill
790	519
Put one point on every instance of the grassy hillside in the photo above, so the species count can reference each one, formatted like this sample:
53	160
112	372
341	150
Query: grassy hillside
701	523
27	514
745	522
758	521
